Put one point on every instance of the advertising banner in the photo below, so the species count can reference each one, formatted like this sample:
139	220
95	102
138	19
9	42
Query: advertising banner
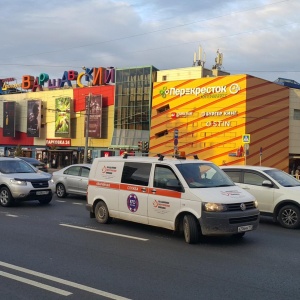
95	115
62	117
33	118
9	119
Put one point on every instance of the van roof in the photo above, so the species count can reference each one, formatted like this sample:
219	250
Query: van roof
132	158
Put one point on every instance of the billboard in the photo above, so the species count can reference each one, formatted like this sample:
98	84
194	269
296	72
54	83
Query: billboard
9	119
95	115
33	118
62	117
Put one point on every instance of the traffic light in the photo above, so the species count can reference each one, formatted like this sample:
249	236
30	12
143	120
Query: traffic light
146	146
140	146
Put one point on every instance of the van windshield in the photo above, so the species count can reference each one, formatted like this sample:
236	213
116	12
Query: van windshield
204	175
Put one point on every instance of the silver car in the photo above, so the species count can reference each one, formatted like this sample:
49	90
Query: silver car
72	180
19	181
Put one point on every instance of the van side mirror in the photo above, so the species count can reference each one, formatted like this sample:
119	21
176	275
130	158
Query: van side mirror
267	183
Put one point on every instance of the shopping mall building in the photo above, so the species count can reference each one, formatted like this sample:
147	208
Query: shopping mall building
228	119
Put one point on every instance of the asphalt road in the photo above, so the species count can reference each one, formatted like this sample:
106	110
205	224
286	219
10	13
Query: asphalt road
58	252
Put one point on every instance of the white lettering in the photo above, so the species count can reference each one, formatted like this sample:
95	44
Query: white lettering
233	89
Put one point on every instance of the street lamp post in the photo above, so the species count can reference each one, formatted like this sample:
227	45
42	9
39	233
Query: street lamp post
86	145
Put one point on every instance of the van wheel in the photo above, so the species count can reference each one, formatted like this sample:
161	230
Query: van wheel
101	213
6	198
289	217
190	229
61	191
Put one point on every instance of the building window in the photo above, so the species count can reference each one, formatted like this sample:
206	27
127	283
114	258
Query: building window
163	108
296	114
164	78
162	133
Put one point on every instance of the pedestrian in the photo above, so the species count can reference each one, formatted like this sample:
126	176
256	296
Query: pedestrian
54	162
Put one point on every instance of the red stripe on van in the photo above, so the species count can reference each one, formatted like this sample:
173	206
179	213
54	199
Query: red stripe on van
166	193
103	184
134	188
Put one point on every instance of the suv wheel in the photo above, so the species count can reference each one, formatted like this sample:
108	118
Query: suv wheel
6	198
289	217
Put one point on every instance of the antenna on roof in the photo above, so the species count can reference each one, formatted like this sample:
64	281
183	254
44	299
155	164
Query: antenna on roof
201	58
218	60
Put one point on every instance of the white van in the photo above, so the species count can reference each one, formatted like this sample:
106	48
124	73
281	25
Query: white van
190	196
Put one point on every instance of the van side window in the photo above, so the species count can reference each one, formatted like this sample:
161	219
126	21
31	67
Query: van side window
165	178
136	173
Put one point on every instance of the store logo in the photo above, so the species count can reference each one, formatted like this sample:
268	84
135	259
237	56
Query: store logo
234	88
206	91
175	115
163	92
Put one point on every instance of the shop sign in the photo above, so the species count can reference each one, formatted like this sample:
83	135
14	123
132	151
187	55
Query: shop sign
58	142
220	89
219	113
95	76
175	115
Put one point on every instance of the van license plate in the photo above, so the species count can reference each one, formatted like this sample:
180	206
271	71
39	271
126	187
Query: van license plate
42	193
245	228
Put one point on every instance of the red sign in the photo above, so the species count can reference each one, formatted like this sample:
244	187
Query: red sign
58	142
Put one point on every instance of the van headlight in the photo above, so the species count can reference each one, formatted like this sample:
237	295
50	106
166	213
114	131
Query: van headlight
210	206
18	182
256	204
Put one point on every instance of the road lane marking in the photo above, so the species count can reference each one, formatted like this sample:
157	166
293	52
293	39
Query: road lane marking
63	281
36	284
105	232
62	201
77	203
13	216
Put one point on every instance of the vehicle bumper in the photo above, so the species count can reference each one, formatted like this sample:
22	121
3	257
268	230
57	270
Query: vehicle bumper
228	223
89	207
32	195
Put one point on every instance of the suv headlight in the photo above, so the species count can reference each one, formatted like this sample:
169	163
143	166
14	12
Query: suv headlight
210	206
18	182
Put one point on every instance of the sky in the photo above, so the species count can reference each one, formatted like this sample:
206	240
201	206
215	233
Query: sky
256	37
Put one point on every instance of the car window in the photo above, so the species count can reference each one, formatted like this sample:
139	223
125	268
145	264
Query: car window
85	172
283	178
136	173
73	171
253	178
234	175
165	178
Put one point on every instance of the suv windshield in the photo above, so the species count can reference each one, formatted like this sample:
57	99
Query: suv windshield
203	175
15	166
283	178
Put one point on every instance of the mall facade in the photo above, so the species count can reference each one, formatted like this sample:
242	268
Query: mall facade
228	119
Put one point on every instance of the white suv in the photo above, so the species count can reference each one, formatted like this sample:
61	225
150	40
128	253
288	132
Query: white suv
19	181
277	192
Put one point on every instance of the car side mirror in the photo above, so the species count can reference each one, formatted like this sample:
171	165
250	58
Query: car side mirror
267	183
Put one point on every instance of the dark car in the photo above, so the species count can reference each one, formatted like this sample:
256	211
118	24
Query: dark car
36	163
